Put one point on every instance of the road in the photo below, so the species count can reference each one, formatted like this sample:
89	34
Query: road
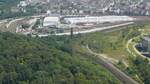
17	19
134	48
124	79
89	31
127	47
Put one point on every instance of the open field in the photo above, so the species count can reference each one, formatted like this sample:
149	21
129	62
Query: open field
10	25
112	45
3	26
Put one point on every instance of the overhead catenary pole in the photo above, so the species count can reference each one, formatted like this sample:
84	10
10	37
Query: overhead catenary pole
148	46
71	30
71	35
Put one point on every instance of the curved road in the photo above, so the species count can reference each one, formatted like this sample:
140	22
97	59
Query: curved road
124	79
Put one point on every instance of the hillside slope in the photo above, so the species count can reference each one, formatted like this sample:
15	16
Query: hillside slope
25	60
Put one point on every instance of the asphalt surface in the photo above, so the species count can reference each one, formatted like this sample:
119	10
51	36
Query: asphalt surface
90	30
124	79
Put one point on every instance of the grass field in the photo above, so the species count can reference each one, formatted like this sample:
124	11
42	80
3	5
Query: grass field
113	45
3	26
11	28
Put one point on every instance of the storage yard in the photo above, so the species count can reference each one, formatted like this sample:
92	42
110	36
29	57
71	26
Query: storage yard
63	24
97	19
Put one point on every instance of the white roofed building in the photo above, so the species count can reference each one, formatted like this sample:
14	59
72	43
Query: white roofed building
51	21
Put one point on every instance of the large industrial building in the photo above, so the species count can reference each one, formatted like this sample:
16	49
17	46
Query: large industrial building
51	21
97	19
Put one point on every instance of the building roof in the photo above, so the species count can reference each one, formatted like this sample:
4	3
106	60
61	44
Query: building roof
147	38
51	20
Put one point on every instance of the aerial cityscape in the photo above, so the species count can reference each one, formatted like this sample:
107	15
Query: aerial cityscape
74	41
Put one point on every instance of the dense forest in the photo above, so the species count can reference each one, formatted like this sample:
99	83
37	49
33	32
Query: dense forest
5	3
27	60
60	60
5	8
142	68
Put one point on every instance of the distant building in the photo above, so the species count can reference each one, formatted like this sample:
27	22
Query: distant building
23	3
15	9
146	43
38	1
48	12
81	11
147	13
51	21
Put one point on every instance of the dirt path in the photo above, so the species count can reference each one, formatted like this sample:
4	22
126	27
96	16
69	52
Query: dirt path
124	79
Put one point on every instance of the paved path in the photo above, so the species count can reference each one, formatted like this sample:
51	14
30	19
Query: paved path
90	30
127	47
124	79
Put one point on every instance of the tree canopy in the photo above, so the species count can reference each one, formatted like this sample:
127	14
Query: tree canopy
27	60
